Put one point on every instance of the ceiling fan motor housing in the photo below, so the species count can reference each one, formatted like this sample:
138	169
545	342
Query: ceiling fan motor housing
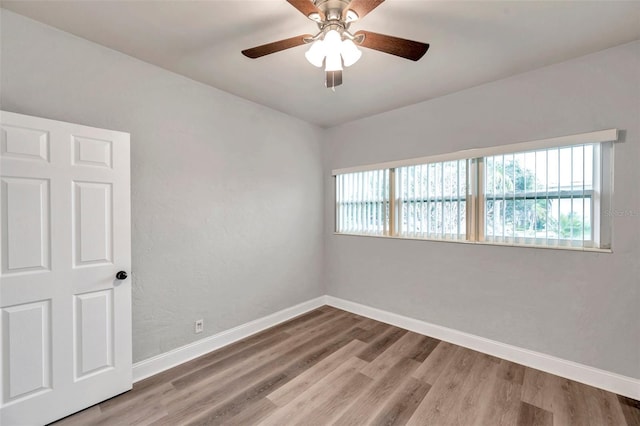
332	9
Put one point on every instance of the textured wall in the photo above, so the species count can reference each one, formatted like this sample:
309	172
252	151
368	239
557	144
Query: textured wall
226	194
577	306
227	200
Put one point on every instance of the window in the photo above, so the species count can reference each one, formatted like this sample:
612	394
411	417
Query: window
549	193
432	200
540	197
362	203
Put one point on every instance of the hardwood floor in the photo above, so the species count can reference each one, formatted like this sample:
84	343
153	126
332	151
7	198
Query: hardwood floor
333	367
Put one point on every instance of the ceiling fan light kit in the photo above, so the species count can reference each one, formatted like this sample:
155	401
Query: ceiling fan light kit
334	45
315	55
350	53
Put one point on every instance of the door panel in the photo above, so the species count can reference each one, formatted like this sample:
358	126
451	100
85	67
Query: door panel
91	152
24	143
65	227
25	210
27	335
92	214
93	332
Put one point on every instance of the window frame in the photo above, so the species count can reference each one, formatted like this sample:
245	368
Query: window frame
441	199
352	205
595	238
475	198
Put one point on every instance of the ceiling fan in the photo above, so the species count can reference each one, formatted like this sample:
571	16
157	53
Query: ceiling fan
334	45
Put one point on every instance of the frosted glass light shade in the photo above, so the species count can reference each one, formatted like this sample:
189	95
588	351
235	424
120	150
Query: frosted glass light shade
315	54
332	41
333	46
350	53
334	61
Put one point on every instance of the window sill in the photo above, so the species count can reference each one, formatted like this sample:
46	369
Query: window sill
480	243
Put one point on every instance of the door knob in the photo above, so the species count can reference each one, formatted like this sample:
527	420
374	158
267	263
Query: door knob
122	275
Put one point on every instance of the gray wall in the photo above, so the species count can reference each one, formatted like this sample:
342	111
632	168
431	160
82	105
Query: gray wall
578	306
227	200
226	194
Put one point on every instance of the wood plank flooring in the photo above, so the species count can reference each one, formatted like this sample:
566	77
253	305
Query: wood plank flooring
333	367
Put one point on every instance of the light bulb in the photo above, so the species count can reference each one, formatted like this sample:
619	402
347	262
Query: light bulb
334	62
350	52
315	54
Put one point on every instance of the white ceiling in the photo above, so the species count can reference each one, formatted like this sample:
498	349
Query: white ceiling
472	42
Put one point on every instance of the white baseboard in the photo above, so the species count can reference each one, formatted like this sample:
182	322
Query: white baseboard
159	363
602	379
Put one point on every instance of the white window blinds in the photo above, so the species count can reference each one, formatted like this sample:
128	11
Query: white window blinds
528	194
432	200
542	197
362	202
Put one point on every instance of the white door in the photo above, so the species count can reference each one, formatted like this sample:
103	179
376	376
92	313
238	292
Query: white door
66	231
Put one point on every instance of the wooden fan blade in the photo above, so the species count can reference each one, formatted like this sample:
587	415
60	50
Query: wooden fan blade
306	7
276	46
408	49
362	7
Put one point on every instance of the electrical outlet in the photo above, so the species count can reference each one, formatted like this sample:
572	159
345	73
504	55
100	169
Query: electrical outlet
199	326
